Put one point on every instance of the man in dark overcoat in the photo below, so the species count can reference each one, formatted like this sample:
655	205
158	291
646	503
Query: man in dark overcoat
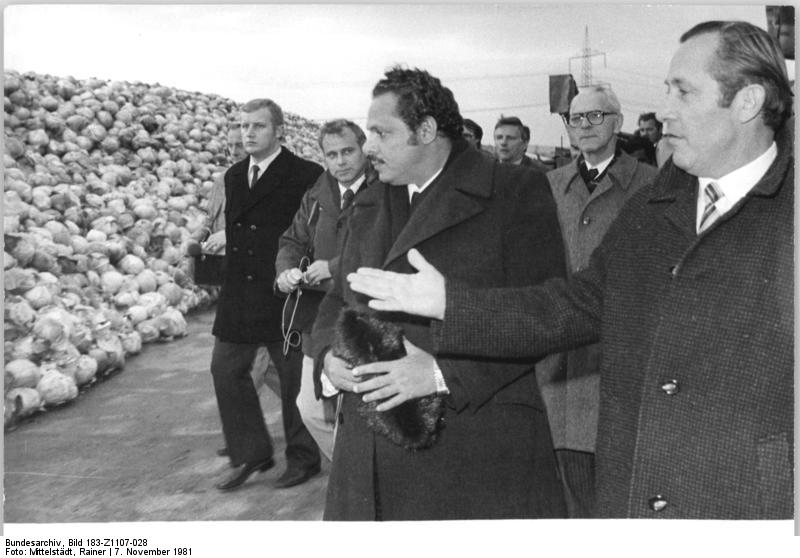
262	195
690	294
483	223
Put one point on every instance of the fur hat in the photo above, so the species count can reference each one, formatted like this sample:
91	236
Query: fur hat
362	338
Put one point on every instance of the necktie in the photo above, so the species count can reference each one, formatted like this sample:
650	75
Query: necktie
710	214
589	176
415	199
347	198
254	178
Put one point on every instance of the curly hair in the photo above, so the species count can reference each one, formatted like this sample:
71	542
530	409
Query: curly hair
420	95
748	55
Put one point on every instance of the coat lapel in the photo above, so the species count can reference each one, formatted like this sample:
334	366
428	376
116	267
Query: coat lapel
452	201
681	197
276	174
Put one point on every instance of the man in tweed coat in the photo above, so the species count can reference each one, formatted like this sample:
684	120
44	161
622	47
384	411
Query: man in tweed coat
694	310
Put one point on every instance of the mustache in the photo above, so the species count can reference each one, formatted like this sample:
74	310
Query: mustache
374	159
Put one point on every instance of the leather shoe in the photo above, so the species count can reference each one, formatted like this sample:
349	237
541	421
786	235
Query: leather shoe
294	476
223	452
243	472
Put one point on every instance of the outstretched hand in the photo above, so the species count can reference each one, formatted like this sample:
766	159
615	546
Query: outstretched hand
421	293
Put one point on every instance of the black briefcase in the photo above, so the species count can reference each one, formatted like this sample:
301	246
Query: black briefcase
208	270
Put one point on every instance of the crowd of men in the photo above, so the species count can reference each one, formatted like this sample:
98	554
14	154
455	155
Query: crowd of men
609	338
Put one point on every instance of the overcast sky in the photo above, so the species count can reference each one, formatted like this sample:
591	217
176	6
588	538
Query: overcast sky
321	61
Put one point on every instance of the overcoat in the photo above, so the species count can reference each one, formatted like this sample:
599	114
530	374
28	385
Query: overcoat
696	391
572	391
317	232
485	224
247	309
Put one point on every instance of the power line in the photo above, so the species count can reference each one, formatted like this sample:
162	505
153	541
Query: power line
445	80
463	111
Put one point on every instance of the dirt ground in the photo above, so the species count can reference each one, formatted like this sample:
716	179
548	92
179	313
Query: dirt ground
141	446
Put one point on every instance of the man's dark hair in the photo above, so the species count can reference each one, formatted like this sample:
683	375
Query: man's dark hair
420	95
473	127
747	55
337	128
645	116
524	131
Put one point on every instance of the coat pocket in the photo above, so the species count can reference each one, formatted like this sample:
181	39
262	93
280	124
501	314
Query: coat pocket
775	476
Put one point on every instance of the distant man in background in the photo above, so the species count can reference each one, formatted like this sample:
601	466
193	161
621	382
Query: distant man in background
589	193
316	235
511	138
211	235
473	133
650	127
262	194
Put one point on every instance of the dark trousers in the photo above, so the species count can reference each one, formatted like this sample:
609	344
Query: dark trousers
577	478
243	425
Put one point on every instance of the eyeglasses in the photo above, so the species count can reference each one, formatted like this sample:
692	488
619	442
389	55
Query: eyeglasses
595	117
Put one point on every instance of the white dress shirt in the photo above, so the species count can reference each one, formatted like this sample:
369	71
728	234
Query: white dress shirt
735	185
262	166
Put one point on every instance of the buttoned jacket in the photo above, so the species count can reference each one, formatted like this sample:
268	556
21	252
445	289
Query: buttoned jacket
572	390
247	309
697	374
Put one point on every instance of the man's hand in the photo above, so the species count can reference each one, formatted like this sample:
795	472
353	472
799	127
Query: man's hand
421	293
214	243
289	279
400	380
340	375
317	272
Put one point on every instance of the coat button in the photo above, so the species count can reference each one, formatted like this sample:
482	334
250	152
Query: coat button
673	270
249	252
249	277
235	249
586	220
252	227
657	503
670	387
239	225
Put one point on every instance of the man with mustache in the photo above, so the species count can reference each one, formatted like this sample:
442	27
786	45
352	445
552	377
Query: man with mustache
483	223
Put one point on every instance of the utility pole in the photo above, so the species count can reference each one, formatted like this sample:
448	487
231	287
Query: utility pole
586	60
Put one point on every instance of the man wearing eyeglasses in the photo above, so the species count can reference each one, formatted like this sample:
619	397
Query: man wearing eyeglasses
589	193
314	238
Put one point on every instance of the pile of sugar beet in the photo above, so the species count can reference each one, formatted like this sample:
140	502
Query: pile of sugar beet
104	184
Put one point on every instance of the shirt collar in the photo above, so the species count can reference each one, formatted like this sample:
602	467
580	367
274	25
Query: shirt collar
413	188
263	165
737	183
354	186
601	166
